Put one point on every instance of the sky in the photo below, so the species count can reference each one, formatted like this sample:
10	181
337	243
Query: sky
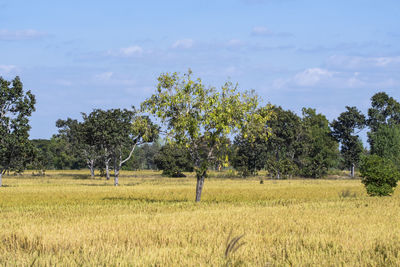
76	56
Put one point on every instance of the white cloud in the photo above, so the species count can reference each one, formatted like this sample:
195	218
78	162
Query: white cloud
7	69
357	62
312	76
183	43
132	51
7	35
105	76
324	79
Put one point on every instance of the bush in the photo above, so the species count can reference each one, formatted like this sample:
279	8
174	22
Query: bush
379	175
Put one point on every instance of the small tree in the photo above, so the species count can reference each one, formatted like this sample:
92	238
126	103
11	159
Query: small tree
16	107
173	160
201	118
380	175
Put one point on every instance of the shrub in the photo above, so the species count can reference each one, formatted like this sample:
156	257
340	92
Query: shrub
379	175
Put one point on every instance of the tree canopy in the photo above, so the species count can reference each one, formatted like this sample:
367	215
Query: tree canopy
16	106
200	118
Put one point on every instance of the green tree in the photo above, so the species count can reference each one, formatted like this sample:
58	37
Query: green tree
173	160
16	106
380	175
201	118
249	156
386	143
385	110
81	137
284	144
344	131
118	132
319	148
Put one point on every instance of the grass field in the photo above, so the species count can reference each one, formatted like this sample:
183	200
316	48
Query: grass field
67	220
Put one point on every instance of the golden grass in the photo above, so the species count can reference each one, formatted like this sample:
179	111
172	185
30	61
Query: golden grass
67	220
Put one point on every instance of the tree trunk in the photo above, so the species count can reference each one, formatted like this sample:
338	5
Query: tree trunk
1	178
107	162
352	171
116	172
91	167
199	187
116	177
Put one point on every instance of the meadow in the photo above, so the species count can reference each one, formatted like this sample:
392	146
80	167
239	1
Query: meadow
67	219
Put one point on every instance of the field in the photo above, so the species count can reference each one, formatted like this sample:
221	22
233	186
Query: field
66	219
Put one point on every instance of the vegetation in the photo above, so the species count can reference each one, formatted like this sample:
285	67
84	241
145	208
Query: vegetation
65	218
201	118
344	130
380	175
16	106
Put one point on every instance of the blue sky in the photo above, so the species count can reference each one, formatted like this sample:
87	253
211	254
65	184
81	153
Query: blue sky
79	55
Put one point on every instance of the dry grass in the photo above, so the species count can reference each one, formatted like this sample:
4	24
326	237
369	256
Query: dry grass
69	220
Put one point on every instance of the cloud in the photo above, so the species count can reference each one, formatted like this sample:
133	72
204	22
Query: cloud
127	52
7	69
323	79
6	35
104	76
132	51
312	76
183	44
111	78
357	62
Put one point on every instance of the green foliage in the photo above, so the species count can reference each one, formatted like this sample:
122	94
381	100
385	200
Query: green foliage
284	145
380	175
319	148
344	132
201	118
173	160
117	132
249	157
143	157
16	106
385	142
384	110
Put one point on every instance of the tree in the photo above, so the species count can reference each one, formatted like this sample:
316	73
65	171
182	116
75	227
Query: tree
201	118
16	107
284	144
384	110
118	132
81	137
380	175
173	160
319	148
386	143
344	131
249	156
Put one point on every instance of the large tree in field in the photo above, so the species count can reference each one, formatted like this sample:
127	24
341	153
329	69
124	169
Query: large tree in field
345	130
201	118
16	106
117	132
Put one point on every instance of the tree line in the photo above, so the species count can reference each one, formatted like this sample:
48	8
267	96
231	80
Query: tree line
201	128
